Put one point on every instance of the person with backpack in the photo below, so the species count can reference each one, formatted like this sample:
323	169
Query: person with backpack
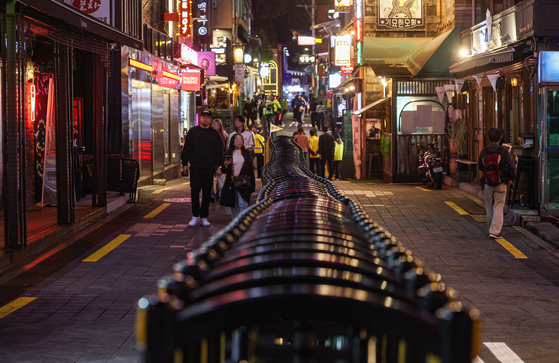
498	170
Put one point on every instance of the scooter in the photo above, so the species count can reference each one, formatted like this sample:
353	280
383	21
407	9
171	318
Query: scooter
431	167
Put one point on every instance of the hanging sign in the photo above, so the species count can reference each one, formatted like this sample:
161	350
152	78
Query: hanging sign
99	9
239	72
347	70
191	80
342	6
358	24
306	40
493	80
342	51
400	15
449	90
358	9
201	24
478	80
440	93
188	55
185	18
459	83
206	60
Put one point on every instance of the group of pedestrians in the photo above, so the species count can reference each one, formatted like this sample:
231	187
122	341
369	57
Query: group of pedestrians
299	105
210	152
322	152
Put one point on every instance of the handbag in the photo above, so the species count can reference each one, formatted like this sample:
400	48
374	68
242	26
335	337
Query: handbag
241	182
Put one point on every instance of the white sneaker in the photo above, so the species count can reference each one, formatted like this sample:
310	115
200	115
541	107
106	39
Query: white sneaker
194	221
205	222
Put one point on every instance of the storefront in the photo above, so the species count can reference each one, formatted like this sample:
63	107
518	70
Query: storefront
402	102
151	116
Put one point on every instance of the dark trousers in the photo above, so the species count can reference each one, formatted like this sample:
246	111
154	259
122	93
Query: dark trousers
314	165
326	158
261	112
259	163
201	179
320	120
337	169
314	115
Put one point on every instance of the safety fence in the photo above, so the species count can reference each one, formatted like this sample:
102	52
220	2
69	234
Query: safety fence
304	275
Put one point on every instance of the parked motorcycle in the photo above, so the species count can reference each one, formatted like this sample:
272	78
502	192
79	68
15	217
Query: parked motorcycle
431	167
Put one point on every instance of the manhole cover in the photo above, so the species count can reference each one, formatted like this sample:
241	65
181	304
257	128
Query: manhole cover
178	200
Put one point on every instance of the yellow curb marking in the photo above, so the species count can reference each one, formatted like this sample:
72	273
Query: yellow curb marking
421	188
186	183
460	211
107	248
159	191
14	305
513	250
157	210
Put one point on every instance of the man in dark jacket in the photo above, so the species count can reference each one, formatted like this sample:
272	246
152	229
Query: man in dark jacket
326	151
247	110
203	149
495	195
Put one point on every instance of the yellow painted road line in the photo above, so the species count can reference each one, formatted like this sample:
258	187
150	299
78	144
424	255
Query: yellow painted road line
513	250
14	305
424	189
159	191
107	248
157	210
460	211
186	183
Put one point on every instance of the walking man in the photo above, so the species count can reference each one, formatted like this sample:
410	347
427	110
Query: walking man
259	143
203	149
312	108
326	151
320	115
498	171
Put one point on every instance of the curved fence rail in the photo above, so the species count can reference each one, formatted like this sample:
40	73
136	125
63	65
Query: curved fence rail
304	276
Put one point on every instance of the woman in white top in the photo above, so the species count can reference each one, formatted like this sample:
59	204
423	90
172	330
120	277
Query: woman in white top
238	162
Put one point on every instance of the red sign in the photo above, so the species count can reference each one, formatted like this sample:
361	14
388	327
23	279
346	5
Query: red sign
347	70
87	6
191	80
185	17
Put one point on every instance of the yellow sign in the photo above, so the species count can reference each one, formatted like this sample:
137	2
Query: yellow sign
274	128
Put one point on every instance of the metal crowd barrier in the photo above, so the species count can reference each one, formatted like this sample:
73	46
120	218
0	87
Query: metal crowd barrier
304	276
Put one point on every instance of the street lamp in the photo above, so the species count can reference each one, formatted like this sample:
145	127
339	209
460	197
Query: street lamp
238	55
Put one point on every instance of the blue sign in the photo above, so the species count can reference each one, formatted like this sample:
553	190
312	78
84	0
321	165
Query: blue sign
548	67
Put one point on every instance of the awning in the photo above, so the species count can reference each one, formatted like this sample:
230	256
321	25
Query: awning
415	57
503	56
371	105
218	78
212	86
83	21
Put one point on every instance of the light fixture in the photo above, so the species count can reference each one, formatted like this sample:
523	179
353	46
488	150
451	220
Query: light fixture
347	89
352	88
247	58
514	81
464	53
238	55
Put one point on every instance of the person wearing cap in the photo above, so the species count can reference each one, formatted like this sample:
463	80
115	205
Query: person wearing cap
240	129
203	149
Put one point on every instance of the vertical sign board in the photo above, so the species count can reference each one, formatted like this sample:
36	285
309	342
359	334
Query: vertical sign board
185	18
239	73
206	60
343	51
401	15
99	9
201	28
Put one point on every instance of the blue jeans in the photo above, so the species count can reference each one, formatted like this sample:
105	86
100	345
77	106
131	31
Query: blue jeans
240	205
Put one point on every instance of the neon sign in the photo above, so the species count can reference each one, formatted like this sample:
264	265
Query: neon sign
140	65
185	17
32	96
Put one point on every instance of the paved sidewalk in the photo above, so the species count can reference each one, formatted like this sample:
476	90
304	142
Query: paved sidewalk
85	311
518	298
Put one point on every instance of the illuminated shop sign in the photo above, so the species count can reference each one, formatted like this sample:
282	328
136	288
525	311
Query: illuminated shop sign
494	34
343	51
358	30
145	67
218	47
342	6
401	14
185	17
305	40
201	23
99	9
347	70
334	80
360	53
32	97
306	59
176	77
191	80
188	54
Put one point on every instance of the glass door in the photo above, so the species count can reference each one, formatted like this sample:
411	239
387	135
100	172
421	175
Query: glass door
550	147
